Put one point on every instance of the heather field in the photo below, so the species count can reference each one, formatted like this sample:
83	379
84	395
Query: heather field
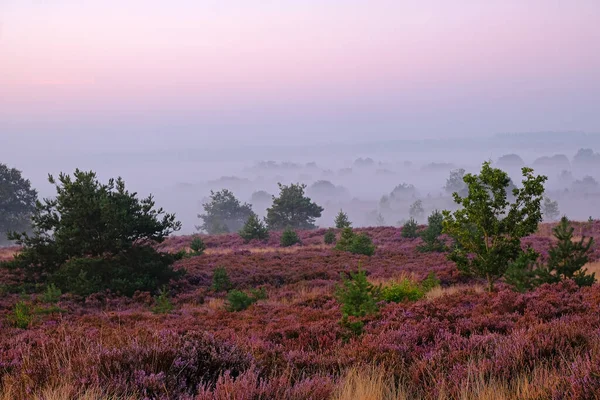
459	342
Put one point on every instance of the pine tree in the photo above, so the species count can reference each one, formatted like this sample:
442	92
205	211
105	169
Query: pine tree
254	228
342	221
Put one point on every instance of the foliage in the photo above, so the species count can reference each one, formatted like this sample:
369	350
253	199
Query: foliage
550	209
224	213
357	296
198	246
292	209
355	244
96	234
17	201
220	280
329	237
488	228
430	282
239	301
22	315
430	236
380	221
289	237
416	210
523	273
410	229
162	302
51	294
254	229
455	182
409	290
342	221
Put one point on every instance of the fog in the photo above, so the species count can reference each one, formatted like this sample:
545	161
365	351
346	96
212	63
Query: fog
353	176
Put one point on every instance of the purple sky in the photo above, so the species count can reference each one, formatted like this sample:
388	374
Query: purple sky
290	71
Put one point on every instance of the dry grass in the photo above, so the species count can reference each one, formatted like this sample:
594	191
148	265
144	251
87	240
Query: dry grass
263	250
393	280
439	291
369	384
593	267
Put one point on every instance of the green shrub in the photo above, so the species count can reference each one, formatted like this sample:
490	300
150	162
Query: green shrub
430	282
356	244
22	315
238	301
345	241
141	268
329	237
197	246
289	238
258	294
254	229
357	296
342	221
52	294
430	236
221	281
403	290
410	229
162	303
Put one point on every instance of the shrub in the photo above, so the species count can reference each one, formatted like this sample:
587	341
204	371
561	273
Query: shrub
355	244
289	237
329	237
403	290
22	315
220	280
430	236
357	296
342	221
162	302
51	294
17	201
197	246
410	229
238	301
254	229
430	282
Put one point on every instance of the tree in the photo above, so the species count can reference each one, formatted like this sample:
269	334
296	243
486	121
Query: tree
380	221
292	209
17	201
224	213
254	228
416	210
430	236
95	236
329	237
488	228
355	244
410	229
455	182
342	221
289	237
550	209
198	246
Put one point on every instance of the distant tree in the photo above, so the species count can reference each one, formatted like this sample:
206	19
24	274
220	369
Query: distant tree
455	183
260	200
431	235
488	228
511	160
292	209
416	210
95	236
329	237
342	221
410	229
403	191
17	202
289	237
586	185
224	213
586	158
380	221
550	209
254	228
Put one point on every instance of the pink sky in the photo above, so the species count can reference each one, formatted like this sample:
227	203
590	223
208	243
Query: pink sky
507	64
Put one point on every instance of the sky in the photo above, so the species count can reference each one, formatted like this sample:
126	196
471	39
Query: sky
155	74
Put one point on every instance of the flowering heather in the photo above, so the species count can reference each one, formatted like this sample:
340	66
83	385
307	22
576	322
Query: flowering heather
544	344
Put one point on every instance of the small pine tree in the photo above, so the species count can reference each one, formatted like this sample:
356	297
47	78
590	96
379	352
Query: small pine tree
197	246
567	258
430	236
163	304
221	281
362	244
410	229
345	240
357	296
342	221
289	237
329	237
238	301
254	228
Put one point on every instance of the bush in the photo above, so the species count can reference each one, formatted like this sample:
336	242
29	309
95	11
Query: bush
197	246
254	229
401	291
163	304
239	301
342	221
430	236
357	296
289	238
355	244
221	281
141	268
410	229
51	294
22	315
329	237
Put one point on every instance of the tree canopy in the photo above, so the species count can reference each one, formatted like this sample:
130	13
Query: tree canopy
488	228
224	213
17	201
292	209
